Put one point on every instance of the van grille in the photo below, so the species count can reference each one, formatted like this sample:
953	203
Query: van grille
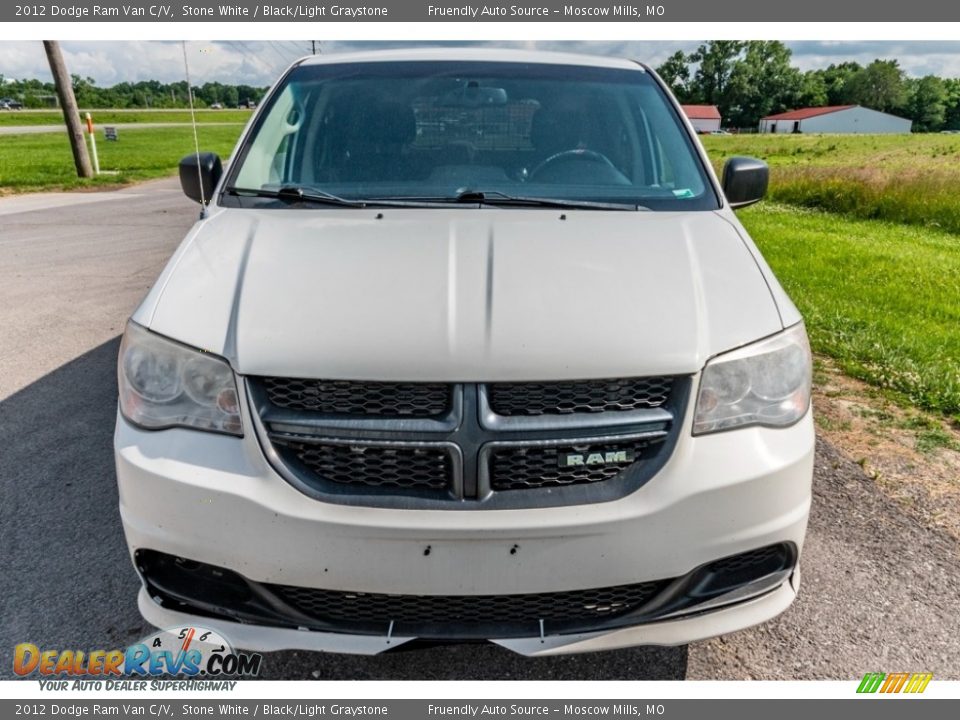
586	396
376	466
525	468
343	397
436	445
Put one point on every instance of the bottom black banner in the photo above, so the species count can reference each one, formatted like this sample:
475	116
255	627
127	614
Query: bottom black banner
875	708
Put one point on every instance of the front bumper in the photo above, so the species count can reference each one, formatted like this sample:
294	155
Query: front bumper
216	500
677	631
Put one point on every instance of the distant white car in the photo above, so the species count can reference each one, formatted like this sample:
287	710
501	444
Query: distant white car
467	345
216	106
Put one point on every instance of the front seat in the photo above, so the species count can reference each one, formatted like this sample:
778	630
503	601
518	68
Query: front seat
374	133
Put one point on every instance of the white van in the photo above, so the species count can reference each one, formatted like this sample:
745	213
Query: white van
466	345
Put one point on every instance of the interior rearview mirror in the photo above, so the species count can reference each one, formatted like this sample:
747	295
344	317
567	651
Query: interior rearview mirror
473	95
745	181
199	175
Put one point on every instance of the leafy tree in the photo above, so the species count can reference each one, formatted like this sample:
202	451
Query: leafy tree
716	61
230	96
835	79
952	104
880	86
675	72
763	82
143	94
246	93
927	104
83	89
812	91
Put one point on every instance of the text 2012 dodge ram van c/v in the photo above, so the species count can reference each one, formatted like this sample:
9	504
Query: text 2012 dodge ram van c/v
467	345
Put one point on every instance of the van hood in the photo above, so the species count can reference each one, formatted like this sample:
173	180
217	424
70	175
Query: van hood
462	294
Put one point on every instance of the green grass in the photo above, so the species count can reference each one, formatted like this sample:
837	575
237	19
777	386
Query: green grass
925	151
911	179
876	276
44	162
110	117
930	434
881	298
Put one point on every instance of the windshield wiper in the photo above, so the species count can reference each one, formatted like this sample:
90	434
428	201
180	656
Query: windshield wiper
298	194
293	193
500	199
495	197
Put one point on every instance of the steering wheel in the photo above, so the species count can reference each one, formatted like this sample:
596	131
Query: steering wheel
573	155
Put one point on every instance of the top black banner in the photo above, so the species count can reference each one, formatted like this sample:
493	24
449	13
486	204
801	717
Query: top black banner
452	11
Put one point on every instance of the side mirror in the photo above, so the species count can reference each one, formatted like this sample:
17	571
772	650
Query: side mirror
745	181
198	184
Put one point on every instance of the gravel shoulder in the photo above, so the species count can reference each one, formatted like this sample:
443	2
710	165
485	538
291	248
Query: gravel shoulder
878	593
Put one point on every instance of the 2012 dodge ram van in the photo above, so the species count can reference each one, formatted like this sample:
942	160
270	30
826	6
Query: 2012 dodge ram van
466	345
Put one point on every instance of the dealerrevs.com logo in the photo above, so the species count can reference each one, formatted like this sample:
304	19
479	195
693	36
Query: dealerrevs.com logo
191	652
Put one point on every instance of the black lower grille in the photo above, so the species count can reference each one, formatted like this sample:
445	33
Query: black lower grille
754	560
735	570
581	396
359	398
211	591
415	612
376	466
523	468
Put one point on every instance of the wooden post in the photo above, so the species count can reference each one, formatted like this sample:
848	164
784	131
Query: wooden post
68	103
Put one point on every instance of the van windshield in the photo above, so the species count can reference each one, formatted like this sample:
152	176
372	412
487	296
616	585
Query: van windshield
436	131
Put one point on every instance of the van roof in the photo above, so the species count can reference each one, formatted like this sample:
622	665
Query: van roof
473	54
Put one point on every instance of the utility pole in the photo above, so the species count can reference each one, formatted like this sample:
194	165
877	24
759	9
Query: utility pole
68	103
313	44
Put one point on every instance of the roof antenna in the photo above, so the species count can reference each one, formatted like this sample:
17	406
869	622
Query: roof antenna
193	122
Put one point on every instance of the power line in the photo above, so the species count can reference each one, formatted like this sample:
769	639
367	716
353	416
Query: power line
258	59
296	49
280	54
244	51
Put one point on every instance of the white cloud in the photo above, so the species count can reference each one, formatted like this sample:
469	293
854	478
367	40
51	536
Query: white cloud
259	63
252	63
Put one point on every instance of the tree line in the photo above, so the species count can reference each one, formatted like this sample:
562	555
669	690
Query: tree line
745	80
750	80
126	95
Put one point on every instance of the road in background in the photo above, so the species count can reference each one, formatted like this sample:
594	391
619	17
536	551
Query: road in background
879	589
37	129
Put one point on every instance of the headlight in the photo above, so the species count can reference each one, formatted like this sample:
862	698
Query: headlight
164	384
766	383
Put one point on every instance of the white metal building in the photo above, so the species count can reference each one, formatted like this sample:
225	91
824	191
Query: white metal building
835	119
704	118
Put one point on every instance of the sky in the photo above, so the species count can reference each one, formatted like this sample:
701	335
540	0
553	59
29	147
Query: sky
259	63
